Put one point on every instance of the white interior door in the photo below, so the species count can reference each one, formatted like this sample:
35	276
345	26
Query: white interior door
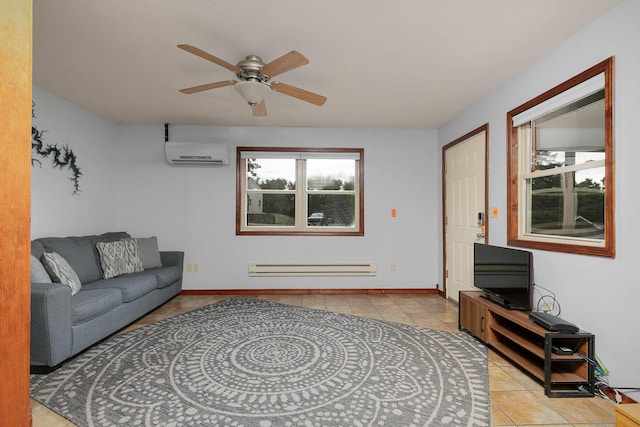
465	165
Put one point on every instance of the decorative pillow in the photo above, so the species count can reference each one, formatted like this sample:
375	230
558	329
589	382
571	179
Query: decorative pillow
61	271
38	273
119	257
149	252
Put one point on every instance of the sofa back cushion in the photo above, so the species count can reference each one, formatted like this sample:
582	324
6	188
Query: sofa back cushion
38	272
149	252
79	252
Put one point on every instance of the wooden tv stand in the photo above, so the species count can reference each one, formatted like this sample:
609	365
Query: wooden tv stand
530	346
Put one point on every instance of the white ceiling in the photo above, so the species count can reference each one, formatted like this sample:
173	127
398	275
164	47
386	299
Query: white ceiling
380	63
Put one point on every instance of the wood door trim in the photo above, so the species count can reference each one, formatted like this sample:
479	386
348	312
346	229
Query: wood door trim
463	138
15	209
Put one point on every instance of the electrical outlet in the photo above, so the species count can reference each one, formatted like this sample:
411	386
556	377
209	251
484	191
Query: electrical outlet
189	268
196	267
547	308
393	266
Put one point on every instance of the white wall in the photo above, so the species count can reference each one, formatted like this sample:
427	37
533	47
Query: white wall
192	208
599	294
55	210
126	184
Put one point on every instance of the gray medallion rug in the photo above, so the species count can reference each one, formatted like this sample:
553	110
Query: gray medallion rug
246	362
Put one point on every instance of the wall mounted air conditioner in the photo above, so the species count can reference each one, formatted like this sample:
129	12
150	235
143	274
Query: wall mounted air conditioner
197	153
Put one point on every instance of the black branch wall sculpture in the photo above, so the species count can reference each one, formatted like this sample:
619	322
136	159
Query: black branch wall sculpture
61	157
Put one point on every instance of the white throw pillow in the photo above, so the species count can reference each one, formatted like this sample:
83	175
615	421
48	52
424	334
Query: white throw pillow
61	271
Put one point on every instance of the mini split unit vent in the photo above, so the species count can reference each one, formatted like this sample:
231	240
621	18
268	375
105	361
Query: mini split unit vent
197	153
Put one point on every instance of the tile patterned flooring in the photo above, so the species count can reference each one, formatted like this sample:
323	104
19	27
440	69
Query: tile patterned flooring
517	399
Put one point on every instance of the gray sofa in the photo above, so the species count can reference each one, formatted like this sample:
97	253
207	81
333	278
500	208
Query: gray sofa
63	325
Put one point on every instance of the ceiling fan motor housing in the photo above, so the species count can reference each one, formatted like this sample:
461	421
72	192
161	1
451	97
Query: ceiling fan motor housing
251	69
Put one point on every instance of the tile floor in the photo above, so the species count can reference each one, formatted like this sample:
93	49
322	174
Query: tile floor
517	399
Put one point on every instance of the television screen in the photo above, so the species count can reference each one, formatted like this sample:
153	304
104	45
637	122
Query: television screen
505	274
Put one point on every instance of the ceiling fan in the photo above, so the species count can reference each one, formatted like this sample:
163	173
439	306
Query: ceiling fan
254	78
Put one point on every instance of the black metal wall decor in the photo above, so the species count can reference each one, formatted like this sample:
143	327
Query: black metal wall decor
61	157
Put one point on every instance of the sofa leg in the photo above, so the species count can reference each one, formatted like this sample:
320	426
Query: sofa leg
40	370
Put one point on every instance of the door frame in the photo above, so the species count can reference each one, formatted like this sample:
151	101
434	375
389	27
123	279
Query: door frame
484	128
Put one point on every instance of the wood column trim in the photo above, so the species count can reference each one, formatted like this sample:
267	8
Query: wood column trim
15	209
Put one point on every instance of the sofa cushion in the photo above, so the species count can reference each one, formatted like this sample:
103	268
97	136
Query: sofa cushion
61	271
79	253
130	286
37	249
149	252
165	276
91	303
119	257
111	236
38	272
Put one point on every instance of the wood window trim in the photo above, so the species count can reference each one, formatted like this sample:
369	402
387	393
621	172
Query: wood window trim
513	159
240	183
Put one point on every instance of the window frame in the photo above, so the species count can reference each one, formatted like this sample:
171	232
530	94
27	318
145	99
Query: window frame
516	235
300	193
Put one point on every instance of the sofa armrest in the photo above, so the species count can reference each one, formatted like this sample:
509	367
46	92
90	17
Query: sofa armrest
173	258
50	323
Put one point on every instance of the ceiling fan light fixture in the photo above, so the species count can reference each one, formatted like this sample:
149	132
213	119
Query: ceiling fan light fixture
252	92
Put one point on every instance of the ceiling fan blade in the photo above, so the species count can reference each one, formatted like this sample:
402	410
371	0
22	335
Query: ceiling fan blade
296	92
259	110
209	57
285	63
208	86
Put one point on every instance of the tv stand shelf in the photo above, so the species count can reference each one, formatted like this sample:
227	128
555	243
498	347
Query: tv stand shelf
530	346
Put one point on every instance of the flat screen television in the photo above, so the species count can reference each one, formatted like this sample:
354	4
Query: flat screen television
505	274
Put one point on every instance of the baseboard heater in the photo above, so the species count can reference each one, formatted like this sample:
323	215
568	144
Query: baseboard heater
312	270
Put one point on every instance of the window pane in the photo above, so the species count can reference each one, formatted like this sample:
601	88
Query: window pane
331	210
569	204
272	174
556	159
571	135
330	174
267	209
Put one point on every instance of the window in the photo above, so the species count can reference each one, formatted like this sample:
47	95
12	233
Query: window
302	191
560	153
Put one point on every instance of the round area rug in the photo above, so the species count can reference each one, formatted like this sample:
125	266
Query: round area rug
245	362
